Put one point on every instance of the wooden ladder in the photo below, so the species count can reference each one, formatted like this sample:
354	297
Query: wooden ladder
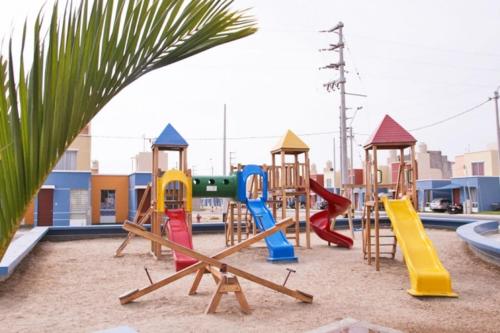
369	244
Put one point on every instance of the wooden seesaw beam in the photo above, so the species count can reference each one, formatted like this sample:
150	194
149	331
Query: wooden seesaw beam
130	296
213	261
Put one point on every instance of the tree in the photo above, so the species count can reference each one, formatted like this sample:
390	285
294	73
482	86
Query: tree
83	59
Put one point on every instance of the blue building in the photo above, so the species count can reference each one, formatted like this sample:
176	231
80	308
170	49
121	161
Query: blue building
138	182
64	199
482	191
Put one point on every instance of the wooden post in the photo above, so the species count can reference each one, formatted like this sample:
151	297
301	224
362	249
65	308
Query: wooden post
273	183
368	198
155	218
283	185
376	212
238	223
308	200
414	176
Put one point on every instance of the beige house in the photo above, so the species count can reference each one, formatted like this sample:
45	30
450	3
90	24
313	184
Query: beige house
480	163
432	164
77	156
143	161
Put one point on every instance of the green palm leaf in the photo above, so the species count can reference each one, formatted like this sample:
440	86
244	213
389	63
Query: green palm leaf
85	57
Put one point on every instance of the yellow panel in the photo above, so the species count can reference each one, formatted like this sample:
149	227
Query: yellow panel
173	176
291	141
428	277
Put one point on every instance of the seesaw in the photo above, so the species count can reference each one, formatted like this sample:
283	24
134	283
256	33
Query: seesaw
225	275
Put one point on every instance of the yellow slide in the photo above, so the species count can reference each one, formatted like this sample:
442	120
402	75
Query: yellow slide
428	277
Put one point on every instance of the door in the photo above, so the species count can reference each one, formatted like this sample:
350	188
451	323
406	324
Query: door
456	196
45	207
147	203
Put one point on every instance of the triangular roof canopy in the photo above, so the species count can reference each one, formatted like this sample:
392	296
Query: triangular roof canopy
391	135
290	142
170	138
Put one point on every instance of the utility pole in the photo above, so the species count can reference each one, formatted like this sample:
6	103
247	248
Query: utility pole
224	166
340	84
351	163
497	122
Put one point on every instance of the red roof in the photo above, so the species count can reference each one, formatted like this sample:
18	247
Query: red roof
390	132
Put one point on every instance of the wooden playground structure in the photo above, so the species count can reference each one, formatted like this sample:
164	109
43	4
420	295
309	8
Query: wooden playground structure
225	276
288	180
389	136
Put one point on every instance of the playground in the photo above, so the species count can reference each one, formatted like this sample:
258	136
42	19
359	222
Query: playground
290	269
73	286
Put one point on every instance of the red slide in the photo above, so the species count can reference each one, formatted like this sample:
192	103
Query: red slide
178	233
320	221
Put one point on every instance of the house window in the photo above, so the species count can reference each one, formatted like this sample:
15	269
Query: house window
328	183
67	161
477	168
108	208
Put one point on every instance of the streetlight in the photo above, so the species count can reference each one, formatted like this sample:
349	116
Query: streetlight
496	96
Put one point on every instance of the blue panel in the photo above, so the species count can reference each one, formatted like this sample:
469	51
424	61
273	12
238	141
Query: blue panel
136	179
170	137
68	179
61	207
243	175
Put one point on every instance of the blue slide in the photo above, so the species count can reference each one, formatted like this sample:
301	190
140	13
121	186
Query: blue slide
277	244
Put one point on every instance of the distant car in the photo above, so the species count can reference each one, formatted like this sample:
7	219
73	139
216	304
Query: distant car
440	204
456	209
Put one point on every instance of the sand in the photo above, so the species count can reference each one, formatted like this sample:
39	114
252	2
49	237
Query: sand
74	287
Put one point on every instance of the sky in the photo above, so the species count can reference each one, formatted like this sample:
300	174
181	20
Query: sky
418	61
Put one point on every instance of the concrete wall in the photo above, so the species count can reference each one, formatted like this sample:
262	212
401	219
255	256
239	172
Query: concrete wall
110	182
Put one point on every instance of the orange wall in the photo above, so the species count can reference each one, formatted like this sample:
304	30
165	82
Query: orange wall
29	215
117	183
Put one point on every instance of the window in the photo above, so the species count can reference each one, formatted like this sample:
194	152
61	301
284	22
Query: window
67	161
477	168
79	201
329	183
107	209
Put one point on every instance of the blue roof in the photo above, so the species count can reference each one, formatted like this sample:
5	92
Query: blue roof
170	137
448	187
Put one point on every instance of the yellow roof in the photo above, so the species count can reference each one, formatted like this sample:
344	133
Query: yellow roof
291	142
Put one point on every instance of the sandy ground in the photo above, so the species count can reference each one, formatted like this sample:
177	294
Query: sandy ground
74	287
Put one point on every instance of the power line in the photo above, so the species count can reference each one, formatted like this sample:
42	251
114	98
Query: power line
451	117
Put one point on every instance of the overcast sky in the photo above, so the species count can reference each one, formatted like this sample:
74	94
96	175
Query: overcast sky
418	61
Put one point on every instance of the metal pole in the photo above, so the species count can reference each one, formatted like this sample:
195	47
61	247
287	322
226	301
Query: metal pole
497	122
334	167
352	156
343	134
224	146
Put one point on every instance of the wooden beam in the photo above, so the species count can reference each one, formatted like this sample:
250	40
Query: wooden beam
130	296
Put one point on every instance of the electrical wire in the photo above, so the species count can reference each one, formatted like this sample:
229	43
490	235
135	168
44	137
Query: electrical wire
451	117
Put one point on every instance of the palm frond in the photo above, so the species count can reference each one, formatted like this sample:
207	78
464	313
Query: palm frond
80	60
